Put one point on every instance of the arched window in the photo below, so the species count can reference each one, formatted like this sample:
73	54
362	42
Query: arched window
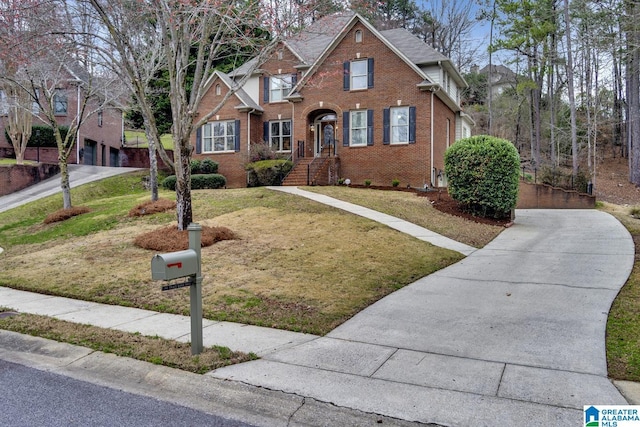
358	36
218	89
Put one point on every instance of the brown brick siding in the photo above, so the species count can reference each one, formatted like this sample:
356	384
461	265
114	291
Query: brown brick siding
231	165
395	83
378	163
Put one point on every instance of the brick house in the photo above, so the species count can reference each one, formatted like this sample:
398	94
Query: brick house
343	100
100	135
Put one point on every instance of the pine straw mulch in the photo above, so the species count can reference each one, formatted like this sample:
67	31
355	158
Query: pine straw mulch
64	214
170	239
152	207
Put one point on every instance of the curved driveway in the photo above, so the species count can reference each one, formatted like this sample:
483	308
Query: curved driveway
514	334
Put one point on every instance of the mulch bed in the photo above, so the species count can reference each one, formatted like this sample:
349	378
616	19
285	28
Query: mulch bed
441	200
170	239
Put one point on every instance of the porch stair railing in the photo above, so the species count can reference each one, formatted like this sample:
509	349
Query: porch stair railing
309	171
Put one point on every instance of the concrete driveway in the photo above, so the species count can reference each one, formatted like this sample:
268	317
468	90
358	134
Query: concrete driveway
78	175
514	334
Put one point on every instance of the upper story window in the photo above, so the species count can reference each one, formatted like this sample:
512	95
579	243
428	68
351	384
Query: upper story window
277	87
100	118
218	90
358	36
219	136
60	103
35	105
4	104
358	74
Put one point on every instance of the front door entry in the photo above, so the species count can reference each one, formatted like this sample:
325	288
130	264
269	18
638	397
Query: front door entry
325	137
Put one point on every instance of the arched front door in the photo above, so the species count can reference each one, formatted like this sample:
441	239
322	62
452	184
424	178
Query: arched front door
324	135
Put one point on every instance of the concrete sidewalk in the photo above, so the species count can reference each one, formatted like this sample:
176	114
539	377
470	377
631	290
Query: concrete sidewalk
78	175
511	335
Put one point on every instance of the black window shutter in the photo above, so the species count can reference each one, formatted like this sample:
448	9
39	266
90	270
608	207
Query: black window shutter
412	125
369	127
345	78
199	140
370	73
386	122
265	132
237	137
265	90
345	128
294	79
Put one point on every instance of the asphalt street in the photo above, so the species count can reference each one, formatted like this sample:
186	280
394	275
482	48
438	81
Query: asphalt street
32	397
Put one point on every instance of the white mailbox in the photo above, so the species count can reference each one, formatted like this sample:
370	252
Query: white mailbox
174	265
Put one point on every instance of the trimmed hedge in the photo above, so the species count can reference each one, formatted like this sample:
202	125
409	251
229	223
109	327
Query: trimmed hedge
42	136
205	166
198	181
267	172
483	175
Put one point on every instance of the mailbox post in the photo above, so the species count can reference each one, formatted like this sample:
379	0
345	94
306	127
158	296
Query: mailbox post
195	290
187	263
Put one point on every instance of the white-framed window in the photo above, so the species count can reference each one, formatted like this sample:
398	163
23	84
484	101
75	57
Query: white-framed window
280	135
218	90
35	106
400	125
358	128
4	103
60	102
100	118
218	136
358	36
279	87
358	74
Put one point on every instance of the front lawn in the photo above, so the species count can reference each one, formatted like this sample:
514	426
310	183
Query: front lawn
297	264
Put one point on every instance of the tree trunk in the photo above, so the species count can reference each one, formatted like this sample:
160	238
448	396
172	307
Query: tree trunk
571	91
64	182
153	165
183	185
633	87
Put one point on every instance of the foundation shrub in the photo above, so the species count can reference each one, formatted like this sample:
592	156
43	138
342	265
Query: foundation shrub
267	172
483	175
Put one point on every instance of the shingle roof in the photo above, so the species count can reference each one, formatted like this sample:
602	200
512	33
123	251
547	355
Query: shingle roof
311	42
412	47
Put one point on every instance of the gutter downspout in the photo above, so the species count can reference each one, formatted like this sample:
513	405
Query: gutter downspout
253	110
78	124
432	134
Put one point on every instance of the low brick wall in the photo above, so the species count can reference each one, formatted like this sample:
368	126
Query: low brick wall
17	177
44	154
139	158
543	196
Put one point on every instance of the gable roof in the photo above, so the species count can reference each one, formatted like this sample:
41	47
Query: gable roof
310	43
246	102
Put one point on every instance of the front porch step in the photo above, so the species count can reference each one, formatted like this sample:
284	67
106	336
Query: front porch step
298	175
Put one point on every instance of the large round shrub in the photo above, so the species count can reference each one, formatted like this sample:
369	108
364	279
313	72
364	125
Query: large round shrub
483	175
267	172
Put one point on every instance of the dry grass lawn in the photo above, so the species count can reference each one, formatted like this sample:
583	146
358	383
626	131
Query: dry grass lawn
295	264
